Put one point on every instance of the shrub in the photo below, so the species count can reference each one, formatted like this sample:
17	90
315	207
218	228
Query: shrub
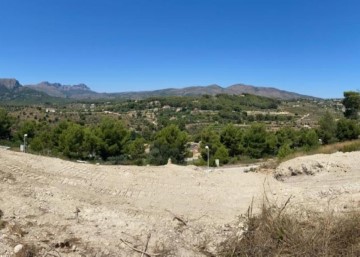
275	232
284	151
347	130
170	142
222	154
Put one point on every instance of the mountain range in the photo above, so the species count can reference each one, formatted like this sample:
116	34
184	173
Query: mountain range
11	89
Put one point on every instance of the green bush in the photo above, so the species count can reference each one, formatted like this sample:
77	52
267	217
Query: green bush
284	151
5	124
347	130
170	142
222	154
255	141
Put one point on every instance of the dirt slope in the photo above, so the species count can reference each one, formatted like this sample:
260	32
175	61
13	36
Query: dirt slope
325	180
186	210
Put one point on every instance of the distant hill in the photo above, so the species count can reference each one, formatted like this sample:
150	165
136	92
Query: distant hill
11	89
237	89
7	85
80	91
264	91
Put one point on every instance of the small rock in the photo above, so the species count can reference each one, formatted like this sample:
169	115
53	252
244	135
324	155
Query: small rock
73	248
18	248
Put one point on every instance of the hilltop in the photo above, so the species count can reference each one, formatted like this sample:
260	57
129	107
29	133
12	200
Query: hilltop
237	89
11	89
78	91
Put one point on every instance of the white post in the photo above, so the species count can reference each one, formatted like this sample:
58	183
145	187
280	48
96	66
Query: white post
208	157
25	136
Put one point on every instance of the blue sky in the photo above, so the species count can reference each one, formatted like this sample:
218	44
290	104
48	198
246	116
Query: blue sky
306	46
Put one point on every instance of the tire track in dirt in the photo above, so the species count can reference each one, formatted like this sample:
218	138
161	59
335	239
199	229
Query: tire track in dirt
99	180
181	189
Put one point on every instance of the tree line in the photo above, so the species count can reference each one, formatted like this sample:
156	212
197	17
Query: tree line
111	141
219	102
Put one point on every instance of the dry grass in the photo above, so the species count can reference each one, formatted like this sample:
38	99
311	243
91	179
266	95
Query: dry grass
348	146
341	146
355	146
275	232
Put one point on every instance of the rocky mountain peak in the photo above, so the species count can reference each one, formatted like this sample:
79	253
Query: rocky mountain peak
48	84
80	87
10	83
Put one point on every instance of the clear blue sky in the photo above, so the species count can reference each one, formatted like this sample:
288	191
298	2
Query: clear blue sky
306	46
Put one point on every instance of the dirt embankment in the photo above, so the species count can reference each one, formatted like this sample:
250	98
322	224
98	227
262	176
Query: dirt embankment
94	210
313	164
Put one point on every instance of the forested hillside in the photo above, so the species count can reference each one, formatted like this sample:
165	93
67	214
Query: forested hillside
155	129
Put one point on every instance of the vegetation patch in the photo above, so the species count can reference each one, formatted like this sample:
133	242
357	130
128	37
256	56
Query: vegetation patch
354	146
228	128
278	232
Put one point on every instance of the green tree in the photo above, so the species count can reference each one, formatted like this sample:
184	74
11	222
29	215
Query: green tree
284	136
351	102
271	144
284	151
42	142
56	133
210	138
255	141
91	143
71	142
327	128
38	144
231	137
113	137
27	127
170	142
222	154
347	130
309	139
136	148
5	124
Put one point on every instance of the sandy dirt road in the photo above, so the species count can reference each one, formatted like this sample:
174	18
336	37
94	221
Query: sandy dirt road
183	208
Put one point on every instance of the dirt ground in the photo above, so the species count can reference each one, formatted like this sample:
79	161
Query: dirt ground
66	208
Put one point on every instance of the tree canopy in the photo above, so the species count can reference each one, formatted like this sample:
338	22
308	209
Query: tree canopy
351	102
170	142
5	124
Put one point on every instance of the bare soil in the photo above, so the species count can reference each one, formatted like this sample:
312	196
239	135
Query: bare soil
63	208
